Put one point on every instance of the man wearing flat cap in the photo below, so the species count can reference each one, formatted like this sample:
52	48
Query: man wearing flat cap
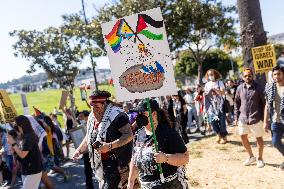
108	140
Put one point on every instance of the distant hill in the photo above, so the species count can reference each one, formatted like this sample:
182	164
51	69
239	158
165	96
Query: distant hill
278	38
38	79
26	79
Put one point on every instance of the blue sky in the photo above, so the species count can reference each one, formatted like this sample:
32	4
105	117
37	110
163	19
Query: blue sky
40	14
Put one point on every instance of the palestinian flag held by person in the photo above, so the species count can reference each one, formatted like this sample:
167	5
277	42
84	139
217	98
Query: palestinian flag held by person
146	25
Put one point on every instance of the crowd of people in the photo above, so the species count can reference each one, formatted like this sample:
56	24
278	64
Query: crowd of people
142	144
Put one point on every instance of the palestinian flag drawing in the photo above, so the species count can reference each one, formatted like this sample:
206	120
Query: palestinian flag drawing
145	26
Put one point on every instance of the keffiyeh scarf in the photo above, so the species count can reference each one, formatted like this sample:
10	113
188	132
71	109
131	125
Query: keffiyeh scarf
99	134
214	105
270	90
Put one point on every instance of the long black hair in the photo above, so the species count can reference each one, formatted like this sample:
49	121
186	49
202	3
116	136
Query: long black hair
162	115
23	122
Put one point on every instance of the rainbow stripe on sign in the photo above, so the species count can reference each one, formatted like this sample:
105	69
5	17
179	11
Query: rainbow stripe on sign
121	30
113	39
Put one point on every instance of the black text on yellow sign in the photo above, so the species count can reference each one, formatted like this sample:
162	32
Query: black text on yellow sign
264	58
7	109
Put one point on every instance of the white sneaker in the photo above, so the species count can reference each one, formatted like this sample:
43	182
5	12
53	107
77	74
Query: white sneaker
249	161
260	163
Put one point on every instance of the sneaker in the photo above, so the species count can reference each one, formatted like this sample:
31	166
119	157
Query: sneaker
249	161
260	163
4	183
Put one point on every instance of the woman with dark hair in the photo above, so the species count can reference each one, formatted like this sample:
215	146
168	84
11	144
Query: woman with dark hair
172	155
27	152
214	104
180	112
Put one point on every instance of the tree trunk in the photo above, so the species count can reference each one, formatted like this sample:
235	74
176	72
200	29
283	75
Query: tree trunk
199	75
252	31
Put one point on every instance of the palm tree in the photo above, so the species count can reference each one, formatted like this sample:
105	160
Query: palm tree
252	31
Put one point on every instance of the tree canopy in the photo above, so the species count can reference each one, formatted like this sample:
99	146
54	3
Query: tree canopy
197	25
216	59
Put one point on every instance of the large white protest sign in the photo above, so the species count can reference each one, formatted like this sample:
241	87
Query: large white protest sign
139	55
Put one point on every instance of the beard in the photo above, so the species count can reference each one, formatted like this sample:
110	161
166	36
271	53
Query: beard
99	113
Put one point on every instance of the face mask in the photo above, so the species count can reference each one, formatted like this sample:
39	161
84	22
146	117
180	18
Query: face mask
82	122
211	78
141	120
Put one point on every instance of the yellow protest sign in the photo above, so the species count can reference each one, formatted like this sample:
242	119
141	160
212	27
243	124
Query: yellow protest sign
7	108
264	58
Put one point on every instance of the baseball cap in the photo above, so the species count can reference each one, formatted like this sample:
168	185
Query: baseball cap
142	106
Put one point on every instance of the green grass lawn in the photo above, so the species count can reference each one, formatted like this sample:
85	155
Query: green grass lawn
46	100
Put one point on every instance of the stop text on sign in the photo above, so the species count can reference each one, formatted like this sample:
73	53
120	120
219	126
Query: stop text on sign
263	58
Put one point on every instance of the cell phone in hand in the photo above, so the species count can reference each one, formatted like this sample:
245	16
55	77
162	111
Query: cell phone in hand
97	144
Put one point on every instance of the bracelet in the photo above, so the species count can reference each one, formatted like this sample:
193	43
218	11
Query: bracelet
167	156
110	146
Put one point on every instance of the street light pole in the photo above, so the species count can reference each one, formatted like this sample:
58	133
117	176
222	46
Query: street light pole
90	46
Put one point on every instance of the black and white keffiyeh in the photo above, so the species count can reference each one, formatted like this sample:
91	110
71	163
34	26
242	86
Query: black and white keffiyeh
99	134
270	90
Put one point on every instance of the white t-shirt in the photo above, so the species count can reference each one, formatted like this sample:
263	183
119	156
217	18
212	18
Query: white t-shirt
189	99
214	85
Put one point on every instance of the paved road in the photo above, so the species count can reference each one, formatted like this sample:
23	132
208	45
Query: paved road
76	170
77	176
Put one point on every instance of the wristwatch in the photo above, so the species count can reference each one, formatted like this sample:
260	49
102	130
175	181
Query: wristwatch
14	144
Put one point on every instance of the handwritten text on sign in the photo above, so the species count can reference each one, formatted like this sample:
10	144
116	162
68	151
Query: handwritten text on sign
139	54
7	108
263	58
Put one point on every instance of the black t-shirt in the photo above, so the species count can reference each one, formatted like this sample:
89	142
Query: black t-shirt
32	163
169	142
69	124
122	154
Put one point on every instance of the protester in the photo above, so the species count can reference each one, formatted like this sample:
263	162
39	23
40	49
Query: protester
180	112
108	140
249	110
172	153
214	104
229	114
189	99
6	159
83	119
169	108
199	104
131	115
55	120
27	152
50	149
69	124
274	109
